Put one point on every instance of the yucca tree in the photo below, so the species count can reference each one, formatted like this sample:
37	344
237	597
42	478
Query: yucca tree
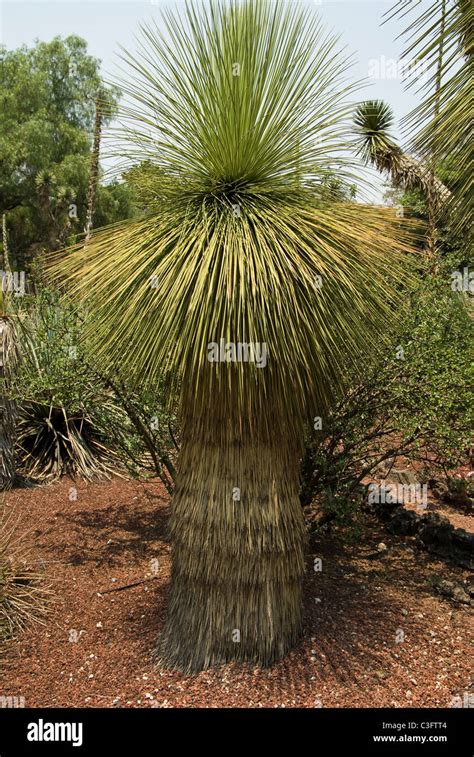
243	110
373	120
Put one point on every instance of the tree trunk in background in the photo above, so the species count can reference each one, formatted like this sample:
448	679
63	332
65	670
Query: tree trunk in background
8	359
6	256
8	356
94	170
237	564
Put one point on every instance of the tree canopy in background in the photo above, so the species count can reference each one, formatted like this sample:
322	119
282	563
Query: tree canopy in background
47	107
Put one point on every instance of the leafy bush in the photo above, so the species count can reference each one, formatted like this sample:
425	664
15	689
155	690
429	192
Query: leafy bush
151	442
62	409
415	400
74	419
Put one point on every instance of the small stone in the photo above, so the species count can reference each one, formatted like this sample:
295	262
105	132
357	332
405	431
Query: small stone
381	547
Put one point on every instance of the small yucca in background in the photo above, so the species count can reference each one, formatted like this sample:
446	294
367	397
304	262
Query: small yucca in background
54	441
373	120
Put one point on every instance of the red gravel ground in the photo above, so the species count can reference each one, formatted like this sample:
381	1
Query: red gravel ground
376	634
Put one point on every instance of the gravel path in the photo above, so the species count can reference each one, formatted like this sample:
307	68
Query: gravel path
376	634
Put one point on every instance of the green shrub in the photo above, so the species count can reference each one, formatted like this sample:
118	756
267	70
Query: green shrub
151	442
415	400
73	419
63	410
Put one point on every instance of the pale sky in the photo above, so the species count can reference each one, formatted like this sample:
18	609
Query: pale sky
106	24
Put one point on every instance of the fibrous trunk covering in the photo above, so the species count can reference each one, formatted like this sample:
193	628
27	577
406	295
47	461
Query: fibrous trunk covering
238	545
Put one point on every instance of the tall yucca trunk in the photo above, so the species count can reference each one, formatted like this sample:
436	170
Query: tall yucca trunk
238	545
8	412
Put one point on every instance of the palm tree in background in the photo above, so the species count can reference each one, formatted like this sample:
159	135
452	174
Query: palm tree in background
243	110
373	120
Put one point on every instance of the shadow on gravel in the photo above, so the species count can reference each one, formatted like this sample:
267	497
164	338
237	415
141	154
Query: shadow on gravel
112	535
